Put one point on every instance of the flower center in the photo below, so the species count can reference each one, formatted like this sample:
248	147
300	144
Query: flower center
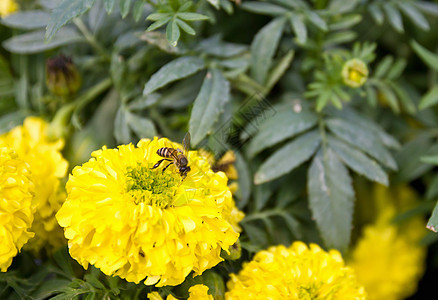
151	186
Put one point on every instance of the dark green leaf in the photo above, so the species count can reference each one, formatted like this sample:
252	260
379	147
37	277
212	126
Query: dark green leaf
331	198
394	16
432	190
376	13
33	42
264	47
158	23
27	20
186	27
288	157
384	66
358	161
278	71
299	28
428	57
64	13
142	127
432	224
121	129
433	159
109	5
188	16
209	104
264	8
362	138
316	20
138	10
283	125
413	13
216	47
125	6
177	69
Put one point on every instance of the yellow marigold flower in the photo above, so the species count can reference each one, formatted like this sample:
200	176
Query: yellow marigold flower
388	259
136	222
16	215
355	73
7	7
298	272
196	292
47	166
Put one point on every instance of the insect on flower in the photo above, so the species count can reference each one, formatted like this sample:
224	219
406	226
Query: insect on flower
179	157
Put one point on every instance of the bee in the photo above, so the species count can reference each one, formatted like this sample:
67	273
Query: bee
176	157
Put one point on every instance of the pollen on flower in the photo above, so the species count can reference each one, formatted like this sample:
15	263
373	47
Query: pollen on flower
140	223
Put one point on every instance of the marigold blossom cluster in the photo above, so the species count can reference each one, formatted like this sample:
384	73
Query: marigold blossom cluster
138	223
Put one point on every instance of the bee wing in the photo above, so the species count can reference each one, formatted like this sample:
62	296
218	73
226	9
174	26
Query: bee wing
169	146
186	143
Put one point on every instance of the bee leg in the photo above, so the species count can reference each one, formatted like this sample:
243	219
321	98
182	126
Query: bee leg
159	163
164	169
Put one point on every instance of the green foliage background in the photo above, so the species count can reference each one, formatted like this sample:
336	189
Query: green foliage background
164	67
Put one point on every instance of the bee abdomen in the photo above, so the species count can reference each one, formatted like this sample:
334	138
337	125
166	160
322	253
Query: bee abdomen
165	152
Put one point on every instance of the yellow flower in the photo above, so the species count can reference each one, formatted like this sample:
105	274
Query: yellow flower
298	272
226	164
355	73
137	222
47	166
7	7
16	215
196	292
388	259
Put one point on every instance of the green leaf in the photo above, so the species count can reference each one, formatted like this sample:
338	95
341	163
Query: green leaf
384	66
109	5
288	157
331	198
358	161
125	6
432	189
389	96
208	105
27	20
414	14
430	98
263	48
33	42
432	159
158	16
172	32
283	125
299	28
64	13
158	23
264	8
394	16
278	71
142	127
121	129
215	46
362	138
186	27
432	224
428	57
188	16
376	13
175	70
316	20
138	10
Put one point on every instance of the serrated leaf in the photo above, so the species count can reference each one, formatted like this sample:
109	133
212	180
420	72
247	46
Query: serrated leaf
33	42
394	16
299	27
177	69
64	13
27	20
428	57
358	162
208	105
430	98
414	14
283	125
263	48
288	157
331	198
362	138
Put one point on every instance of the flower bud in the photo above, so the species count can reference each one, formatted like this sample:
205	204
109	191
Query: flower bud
62	77
235	252
355	73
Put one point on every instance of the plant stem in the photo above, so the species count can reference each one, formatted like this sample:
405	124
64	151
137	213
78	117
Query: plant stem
91	39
